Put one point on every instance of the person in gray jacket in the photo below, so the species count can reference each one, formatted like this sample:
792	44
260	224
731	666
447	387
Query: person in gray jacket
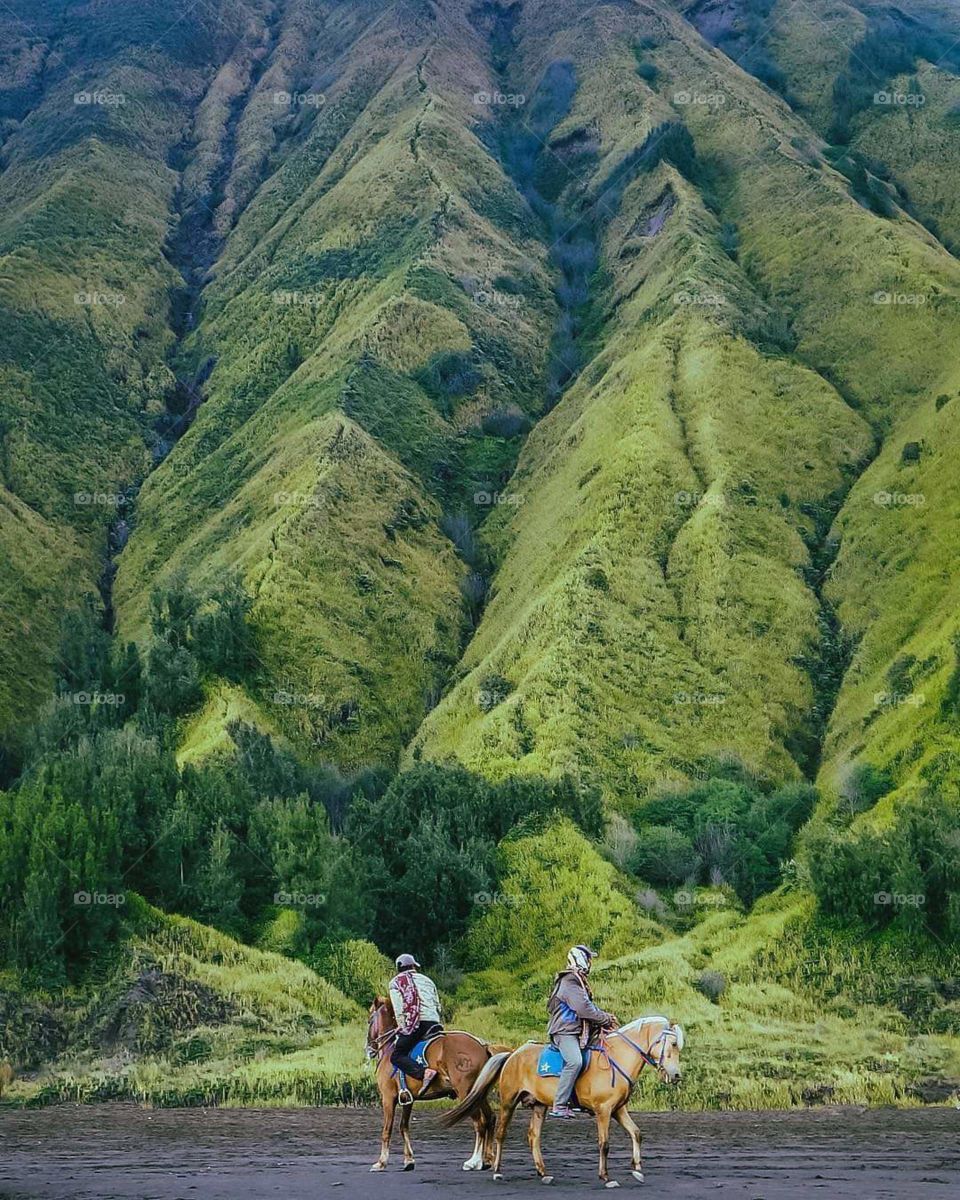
572	1014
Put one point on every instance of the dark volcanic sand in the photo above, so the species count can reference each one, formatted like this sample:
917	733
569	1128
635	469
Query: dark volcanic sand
114	1151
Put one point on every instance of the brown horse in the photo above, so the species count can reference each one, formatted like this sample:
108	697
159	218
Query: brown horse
458	1059
603	1088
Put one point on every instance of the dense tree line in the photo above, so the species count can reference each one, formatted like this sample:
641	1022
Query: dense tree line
102	808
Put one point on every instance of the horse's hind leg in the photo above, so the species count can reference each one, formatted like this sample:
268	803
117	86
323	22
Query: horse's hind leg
475	1161
533	1137
408	1160
389	1110
623	1116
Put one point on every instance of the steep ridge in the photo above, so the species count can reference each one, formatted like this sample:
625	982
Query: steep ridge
373	325
886	87
631	632
89	120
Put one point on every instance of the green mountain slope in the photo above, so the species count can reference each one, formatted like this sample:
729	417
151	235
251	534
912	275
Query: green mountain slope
486	468
658	599
89	122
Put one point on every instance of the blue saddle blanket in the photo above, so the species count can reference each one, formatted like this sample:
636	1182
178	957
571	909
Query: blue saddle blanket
419	1052
550	1061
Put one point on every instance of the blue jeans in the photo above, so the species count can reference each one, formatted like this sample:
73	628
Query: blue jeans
569	1046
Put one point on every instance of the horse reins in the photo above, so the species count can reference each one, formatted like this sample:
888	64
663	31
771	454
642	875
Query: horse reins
376	1045
646	1057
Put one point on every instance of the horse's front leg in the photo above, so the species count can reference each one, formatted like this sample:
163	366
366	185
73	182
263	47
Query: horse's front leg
408	1159
389	1111
623	1116
603	1143
488	1128
533	1137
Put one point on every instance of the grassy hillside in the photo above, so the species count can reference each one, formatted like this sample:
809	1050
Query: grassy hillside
657	602
362	384
89	124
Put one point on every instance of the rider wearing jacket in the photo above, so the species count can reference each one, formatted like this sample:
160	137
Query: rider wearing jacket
416	1006
573	1018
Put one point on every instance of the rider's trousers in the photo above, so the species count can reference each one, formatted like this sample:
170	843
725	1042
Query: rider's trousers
569	1046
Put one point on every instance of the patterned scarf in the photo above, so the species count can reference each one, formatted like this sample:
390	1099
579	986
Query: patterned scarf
411	1002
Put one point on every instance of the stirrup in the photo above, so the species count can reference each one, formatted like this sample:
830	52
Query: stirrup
405	1097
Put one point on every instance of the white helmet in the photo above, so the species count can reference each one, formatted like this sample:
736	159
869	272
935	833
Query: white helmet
579	959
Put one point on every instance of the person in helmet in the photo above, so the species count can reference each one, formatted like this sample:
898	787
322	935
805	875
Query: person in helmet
416	1006
572	1016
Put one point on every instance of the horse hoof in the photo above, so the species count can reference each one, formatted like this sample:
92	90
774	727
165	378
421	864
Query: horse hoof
546	1179
611	1183
409	1166
497	1175
378	1167
638	1176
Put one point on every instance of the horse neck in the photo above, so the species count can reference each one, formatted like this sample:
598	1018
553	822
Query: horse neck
641	1035
388	1019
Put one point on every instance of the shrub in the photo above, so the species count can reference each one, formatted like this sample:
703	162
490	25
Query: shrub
711	984
506	421
356	967
664	855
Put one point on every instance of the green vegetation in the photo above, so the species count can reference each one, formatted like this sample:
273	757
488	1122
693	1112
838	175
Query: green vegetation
474	478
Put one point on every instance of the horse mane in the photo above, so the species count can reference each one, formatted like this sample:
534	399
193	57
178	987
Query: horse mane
638	1021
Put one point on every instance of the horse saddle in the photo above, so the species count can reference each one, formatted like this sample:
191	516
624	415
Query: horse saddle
550	1062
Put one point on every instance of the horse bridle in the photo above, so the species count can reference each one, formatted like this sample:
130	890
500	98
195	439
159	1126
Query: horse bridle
377	1044
646	1057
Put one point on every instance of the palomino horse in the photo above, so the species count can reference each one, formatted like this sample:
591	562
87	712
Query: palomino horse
458	1059
603	1088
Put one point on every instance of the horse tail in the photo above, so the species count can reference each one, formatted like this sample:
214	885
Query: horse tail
477	1094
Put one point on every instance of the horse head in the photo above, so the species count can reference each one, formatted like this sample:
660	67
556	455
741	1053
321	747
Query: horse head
668	1053
380	1025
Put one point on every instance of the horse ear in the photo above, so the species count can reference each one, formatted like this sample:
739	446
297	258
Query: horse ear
678	1030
